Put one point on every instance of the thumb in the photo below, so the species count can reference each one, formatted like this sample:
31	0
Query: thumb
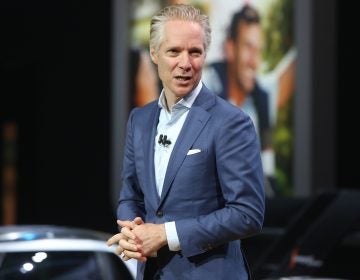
138	221
124	223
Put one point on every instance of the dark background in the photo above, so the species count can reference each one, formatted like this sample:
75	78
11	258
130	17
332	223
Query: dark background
348	136
55	84
55	61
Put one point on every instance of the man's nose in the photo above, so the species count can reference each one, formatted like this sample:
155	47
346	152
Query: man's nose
184	62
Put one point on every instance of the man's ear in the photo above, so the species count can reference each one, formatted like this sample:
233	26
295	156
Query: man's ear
153	55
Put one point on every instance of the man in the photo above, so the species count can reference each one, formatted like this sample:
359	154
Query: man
234	79
192	174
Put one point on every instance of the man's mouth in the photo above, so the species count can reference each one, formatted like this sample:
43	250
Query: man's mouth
183	78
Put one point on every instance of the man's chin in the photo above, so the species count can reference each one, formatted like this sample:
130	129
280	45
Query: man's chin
181	91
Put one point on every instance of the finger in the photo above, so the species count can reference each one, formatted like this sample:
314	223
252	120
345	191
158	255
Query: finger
128	246
119	250
124	257
114	239
138	221
128	224
127	233
133	255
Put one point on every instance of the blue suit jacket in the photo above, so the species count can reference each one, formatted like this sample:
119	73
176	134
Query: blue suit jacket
215	197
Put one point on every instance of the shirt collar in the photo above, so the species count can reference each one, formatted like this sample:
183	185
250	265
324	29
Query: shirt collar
187	101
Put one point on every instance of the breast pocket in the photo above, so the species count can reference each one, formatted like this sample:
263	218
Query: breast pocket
195	159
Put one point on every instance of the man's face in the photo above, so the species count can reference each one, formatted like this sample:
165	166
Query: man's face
247	55
181	57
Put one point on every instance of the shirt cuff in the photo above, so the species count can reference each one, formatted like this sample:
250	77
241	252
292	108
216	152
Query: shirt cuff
172	236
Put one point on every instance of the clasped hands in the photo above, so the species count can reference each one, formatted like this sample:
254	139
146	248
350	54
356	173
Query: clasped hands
138	240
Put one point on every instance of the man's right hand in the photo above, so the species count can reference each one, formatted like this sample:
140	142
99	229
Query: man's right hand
128	243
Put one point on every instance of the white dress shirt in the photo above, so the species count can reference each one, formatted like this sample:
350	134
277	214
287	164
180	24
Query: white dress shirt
170	124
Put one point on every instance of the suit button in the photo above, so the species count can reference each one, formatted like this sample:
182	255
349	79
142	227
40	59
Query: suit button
159	213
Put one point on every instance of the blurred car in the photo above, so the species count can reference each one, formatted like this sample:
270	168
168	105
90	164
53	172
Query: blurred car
303	278
308	238
59	253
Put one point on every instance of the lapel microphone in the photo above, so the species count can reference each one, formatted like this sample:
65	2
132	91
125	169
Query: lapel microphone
164	141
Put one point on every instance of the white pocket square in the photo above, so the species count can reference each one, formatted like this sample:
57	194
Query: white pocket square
194	151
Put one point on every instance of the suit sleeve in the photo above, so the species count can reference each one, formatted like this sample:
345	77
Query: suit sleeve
131	202
240	176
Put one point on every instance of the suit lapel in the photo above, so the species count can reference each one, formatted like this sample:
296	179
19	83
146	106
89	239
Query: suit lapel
195	122
148	144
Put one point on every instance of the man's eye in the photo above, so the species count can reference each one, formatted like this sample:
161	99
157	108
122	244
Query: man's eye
173	52
196	54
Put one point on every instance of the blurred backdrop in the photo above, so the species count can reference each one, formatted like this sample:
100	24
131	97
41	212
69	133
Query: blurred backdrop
65	76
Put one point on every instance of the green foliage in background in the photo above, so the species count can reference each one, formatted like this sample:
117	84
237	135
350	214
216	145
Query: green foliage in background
278	31
279	38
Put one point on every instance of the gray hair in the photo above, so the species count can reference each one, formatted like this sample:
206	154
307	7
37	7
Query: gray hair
177	12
